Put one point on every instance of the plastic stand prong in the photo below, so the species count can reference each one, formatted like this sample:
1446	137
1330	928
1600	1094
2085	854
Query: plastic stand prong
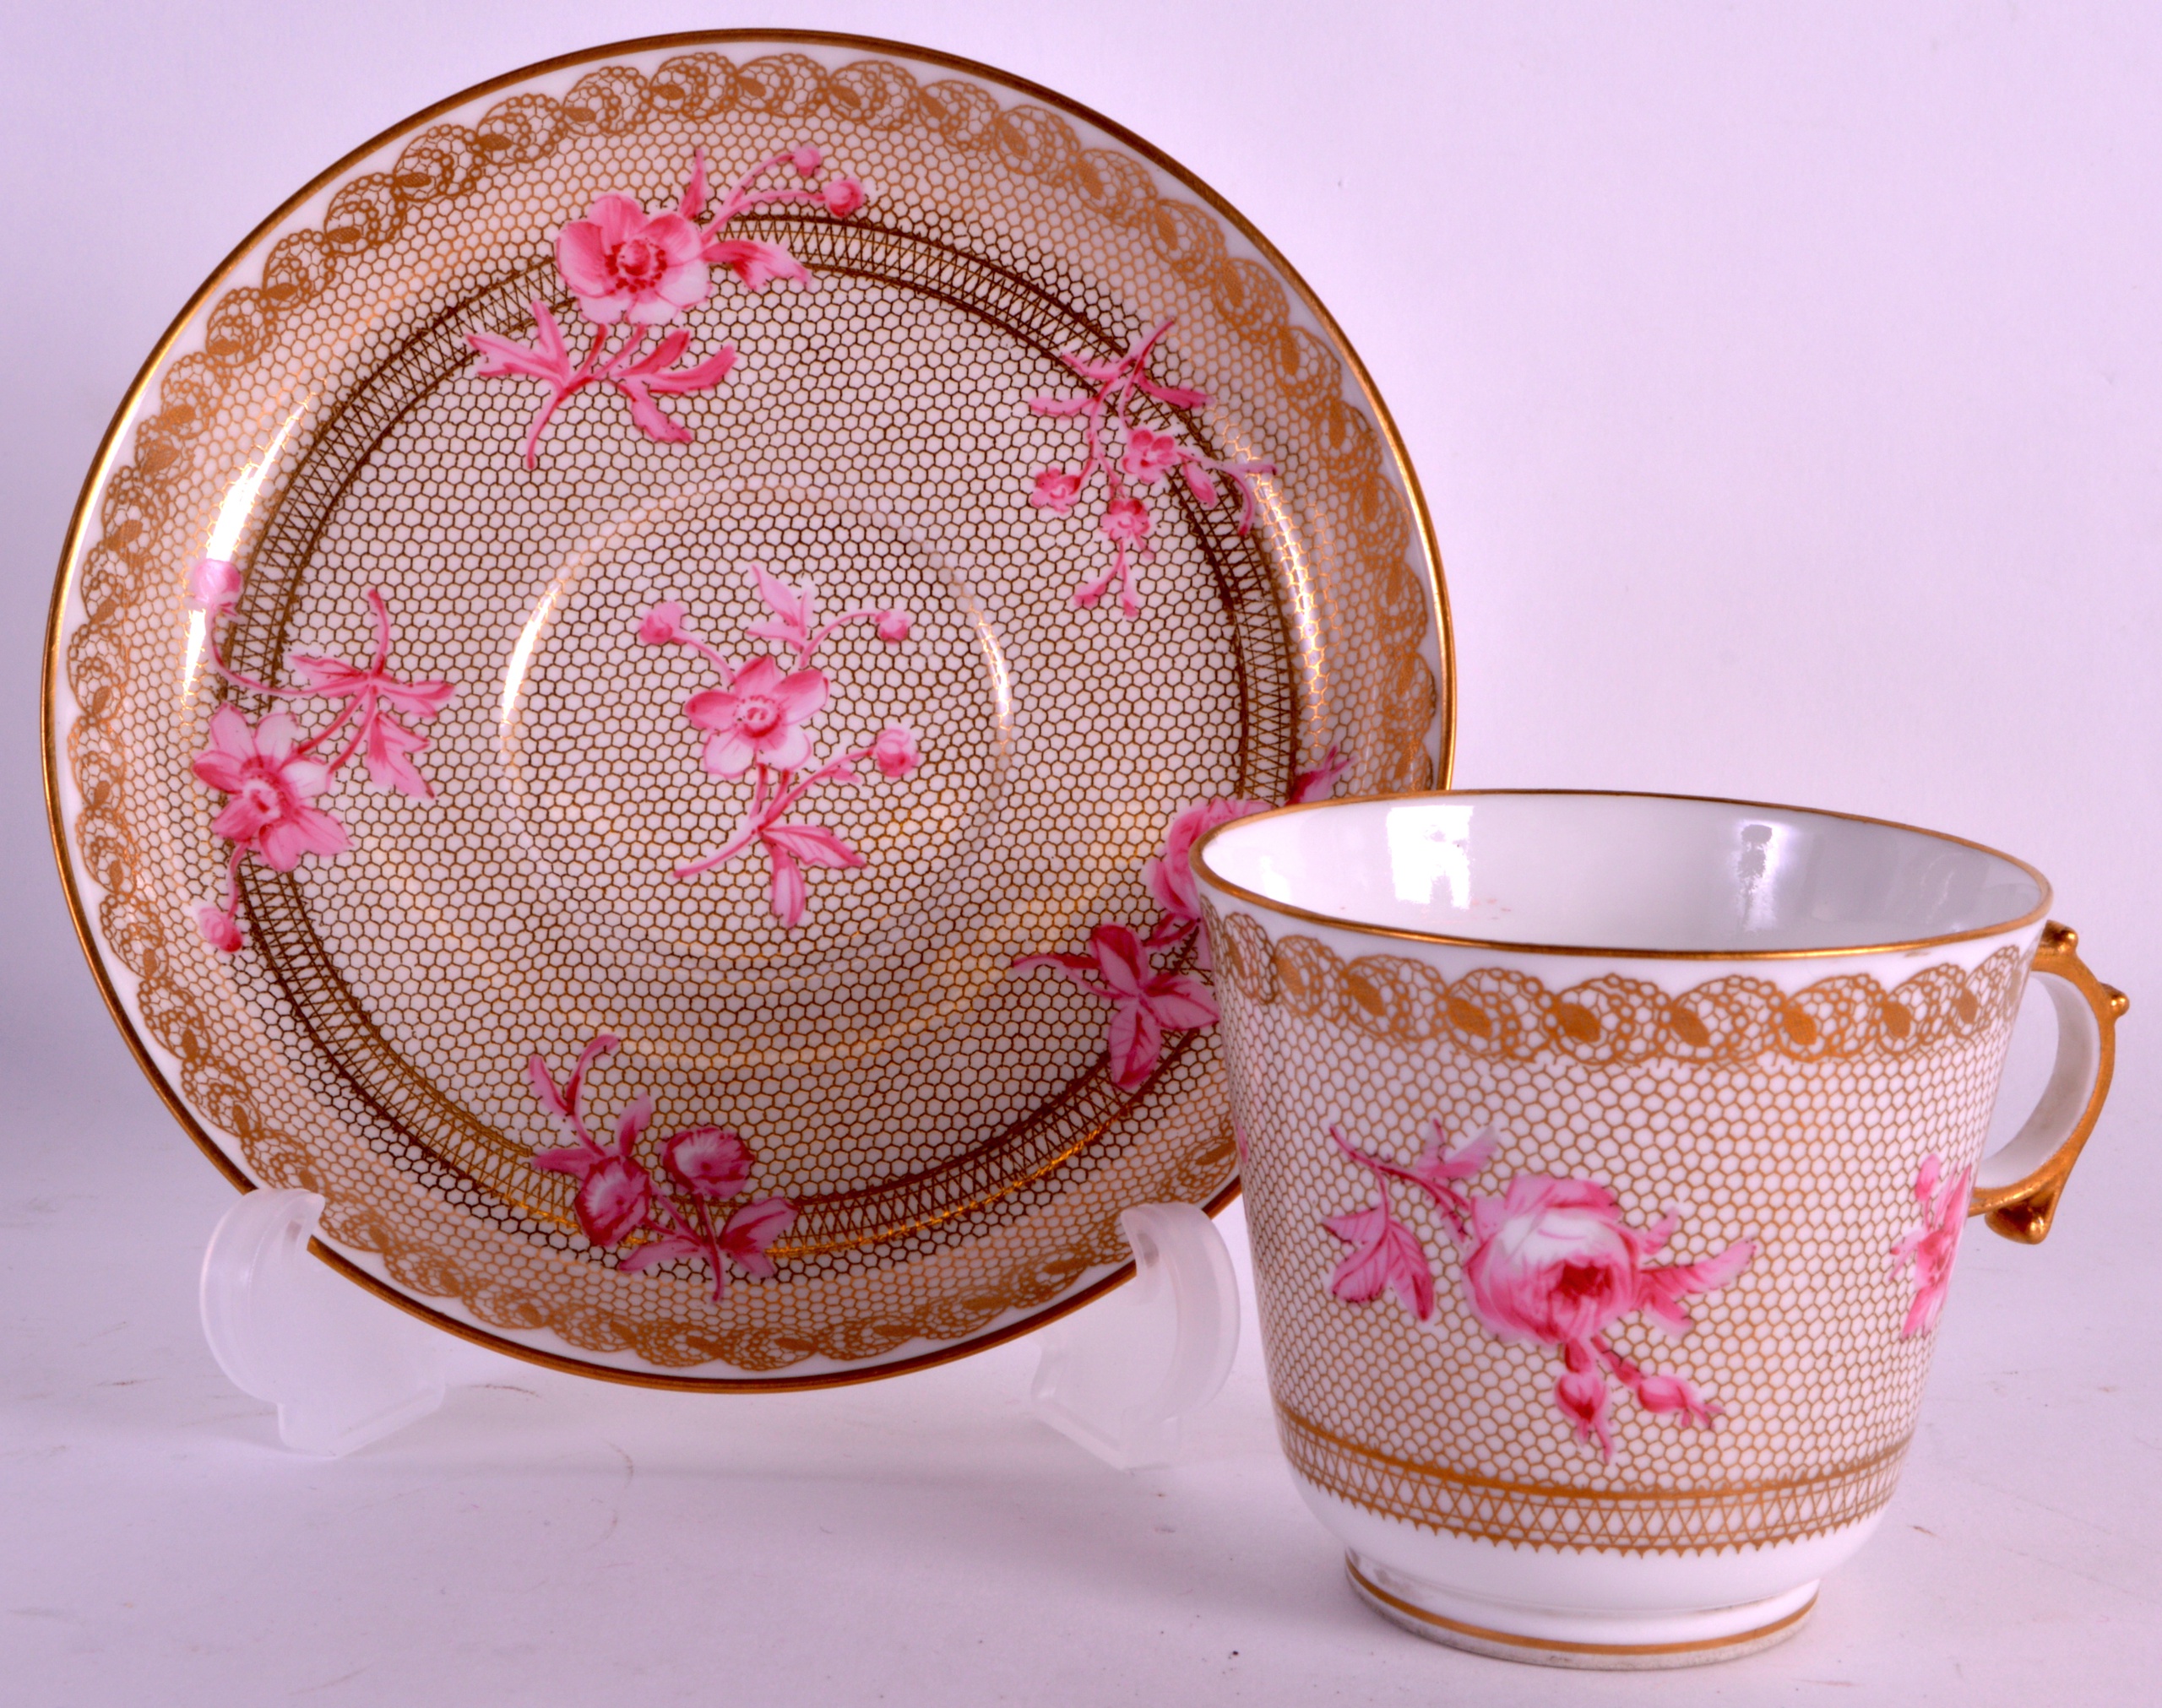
1119	1377
342	1368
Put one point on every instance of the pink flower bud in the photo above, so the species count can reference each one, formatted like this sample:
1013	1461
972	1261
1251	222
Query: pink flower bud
844	196
1125	519
892	628
807	160
213	585
663	625
220	930
895	752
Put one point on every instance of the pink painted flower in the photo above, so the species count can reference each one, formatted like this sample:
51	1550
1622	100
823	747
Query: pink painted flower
1169	875
806	159
1055	490
1551	1263
374	697
895	752
213	587
612	1200
1127	452
1126	520
1149	456
713	1162
272	786
754	719
614	1189
757	719
623	264
627	267
617	1199
1929	1248
1145	1003
273	776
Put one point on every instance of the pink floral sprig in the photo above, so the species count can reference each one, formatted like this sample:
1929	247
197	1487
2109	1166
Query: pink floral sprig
1132	457
272	777
1169	875
1120	967
1929	1248
640	271
1145	1003
1549	1263
753	724
677	1205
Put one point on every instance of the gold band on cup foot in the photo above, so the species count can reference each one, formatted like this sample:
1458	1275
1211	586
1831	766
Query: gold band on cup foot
1783	1617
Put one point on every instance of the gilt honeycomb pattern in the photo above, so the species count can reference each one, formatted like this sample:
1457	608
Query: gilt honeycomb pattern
1792	1113
950	1133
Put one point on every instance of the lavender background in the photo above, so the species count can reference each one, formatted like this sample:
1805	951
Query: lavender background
1787	387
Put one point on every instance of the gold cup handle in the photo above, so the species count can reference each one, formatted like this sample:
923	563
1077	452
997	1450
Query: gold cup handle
2018	1187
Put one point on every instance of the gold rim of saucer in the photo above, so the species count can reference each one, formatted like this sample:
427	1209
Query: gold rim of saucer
1291	910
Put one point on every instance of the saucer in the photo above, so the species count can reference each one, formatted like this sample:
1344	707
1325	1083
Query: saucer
630	689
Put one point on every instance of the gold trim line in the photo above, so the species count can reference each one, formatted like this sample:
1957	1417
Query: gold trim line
1556	1645
1362	928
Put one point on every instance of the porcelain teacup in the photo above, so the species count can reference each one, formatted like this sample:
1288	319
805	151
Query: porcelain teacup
1605	1157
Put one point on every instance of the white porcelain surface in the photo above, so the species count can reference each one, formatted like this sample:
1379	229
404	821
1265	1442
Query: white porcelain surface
1625	871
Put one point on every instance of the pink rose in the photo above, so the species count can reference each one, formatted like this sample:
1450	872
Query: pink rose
844	196
807	160
713	1162
620	264
895	752
1550	1261
892	628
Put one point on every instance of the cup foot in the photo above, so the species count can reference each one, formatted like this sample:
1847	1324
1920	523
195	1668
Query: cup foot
1557	1637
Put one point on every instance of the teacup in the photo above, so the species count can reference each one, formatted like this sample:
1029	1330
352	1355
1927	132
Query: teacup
1605	1157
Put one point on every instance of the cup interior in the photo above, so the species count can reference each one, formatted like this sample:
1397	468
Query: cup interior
1641	873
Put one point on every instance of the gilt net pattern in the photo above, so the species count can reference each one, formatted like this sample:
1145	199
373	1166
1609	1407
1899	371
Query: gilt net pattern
1790	1112
956	1147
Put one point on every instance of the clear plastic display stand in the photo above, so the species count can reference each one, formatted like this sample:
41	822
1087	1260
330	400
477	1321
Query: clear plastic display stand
344	1368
